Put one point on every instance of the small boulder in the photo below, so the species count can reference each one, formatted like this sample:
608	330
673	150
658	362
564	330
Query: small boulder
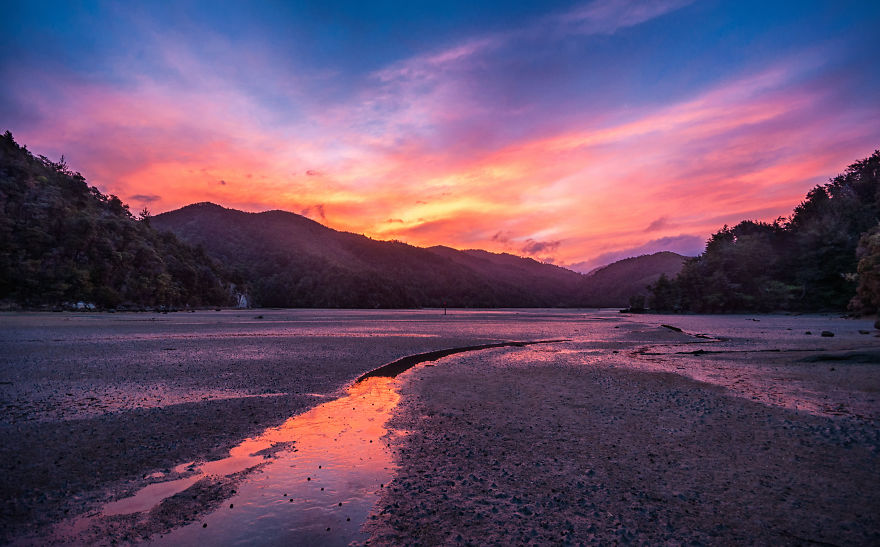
827	333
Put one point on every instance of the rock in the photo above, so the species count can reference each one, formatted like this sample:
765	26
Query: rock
827	333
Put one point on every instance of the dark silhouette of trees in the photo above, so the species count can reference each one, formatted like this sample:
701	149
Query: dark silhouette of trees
286	260
65	242
808	262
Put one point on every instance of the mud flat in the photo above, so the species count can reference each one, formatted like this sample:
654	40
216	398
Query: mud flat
627	436
97	406
248	426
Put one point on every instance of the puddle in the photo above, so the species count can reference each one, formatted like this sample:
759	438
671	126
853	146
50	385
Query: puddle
329	479
328	467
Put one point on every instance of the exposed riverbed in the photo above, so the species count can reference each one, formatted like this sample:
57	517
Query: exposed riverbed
144	417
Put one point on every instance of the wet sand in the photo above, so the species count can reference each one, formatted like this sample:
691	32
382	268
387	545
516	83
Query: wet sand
96	406
630	432
613	441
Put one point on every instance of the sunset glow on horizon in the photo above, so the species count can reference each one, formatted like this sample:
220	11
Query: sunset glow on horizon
577	133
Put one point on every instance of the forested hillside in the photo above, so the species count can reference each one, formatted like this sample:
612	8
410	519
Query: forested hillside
818	259
288	260
65	242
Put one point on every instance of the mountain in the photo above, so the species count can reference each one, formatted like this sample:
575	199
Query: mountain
287	260
66	242
510	269
614	284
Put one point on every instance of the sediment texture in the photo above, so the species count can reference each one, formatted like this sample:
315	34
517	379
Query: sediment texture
530	449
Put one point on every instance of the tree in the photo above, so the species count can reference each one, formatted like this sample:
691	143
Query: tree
65	242
867	299
808	262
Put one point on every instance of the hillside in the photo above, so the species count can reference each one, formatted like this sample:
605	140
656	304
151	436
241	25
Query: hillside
65	242
823	257
614	284
287	260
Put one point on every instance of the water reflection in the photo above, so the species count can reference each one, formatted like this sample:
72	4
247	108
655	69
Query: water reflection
320	489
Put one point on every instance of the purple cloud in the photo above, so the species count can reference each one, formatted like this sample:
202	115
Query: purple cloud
658	224
533	247
145	198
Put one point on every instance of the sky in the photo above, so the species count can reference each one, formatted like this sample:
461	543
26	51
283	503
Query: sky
575	133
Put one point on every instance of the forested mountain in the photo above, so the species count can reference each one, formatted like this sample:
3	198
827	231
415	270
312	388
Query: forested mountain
613	285
811	261
66	242
515	270
288	260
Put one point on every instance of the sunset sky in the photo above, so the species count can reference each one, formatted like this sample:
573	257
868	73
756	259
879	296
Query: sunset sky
571	132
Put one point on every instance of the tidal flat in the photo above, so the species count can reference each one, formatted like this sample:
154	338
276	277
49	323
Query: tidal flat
234	427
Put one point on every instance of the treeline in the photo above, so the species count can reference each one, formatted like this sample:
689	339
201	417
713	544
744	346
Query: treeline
824	257
65	242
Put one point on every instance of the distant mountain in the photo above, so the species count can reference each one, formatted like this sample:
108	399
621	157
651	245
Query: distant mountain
614	284
287	260
510	269
66	242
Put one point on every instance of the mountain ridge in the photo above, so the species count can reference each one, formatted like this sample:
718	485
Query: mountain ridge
603	286
68	245
294	261
288	260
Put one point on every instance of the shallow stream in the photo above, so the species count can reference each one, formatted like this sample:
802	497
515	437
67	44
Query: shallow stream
319	491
